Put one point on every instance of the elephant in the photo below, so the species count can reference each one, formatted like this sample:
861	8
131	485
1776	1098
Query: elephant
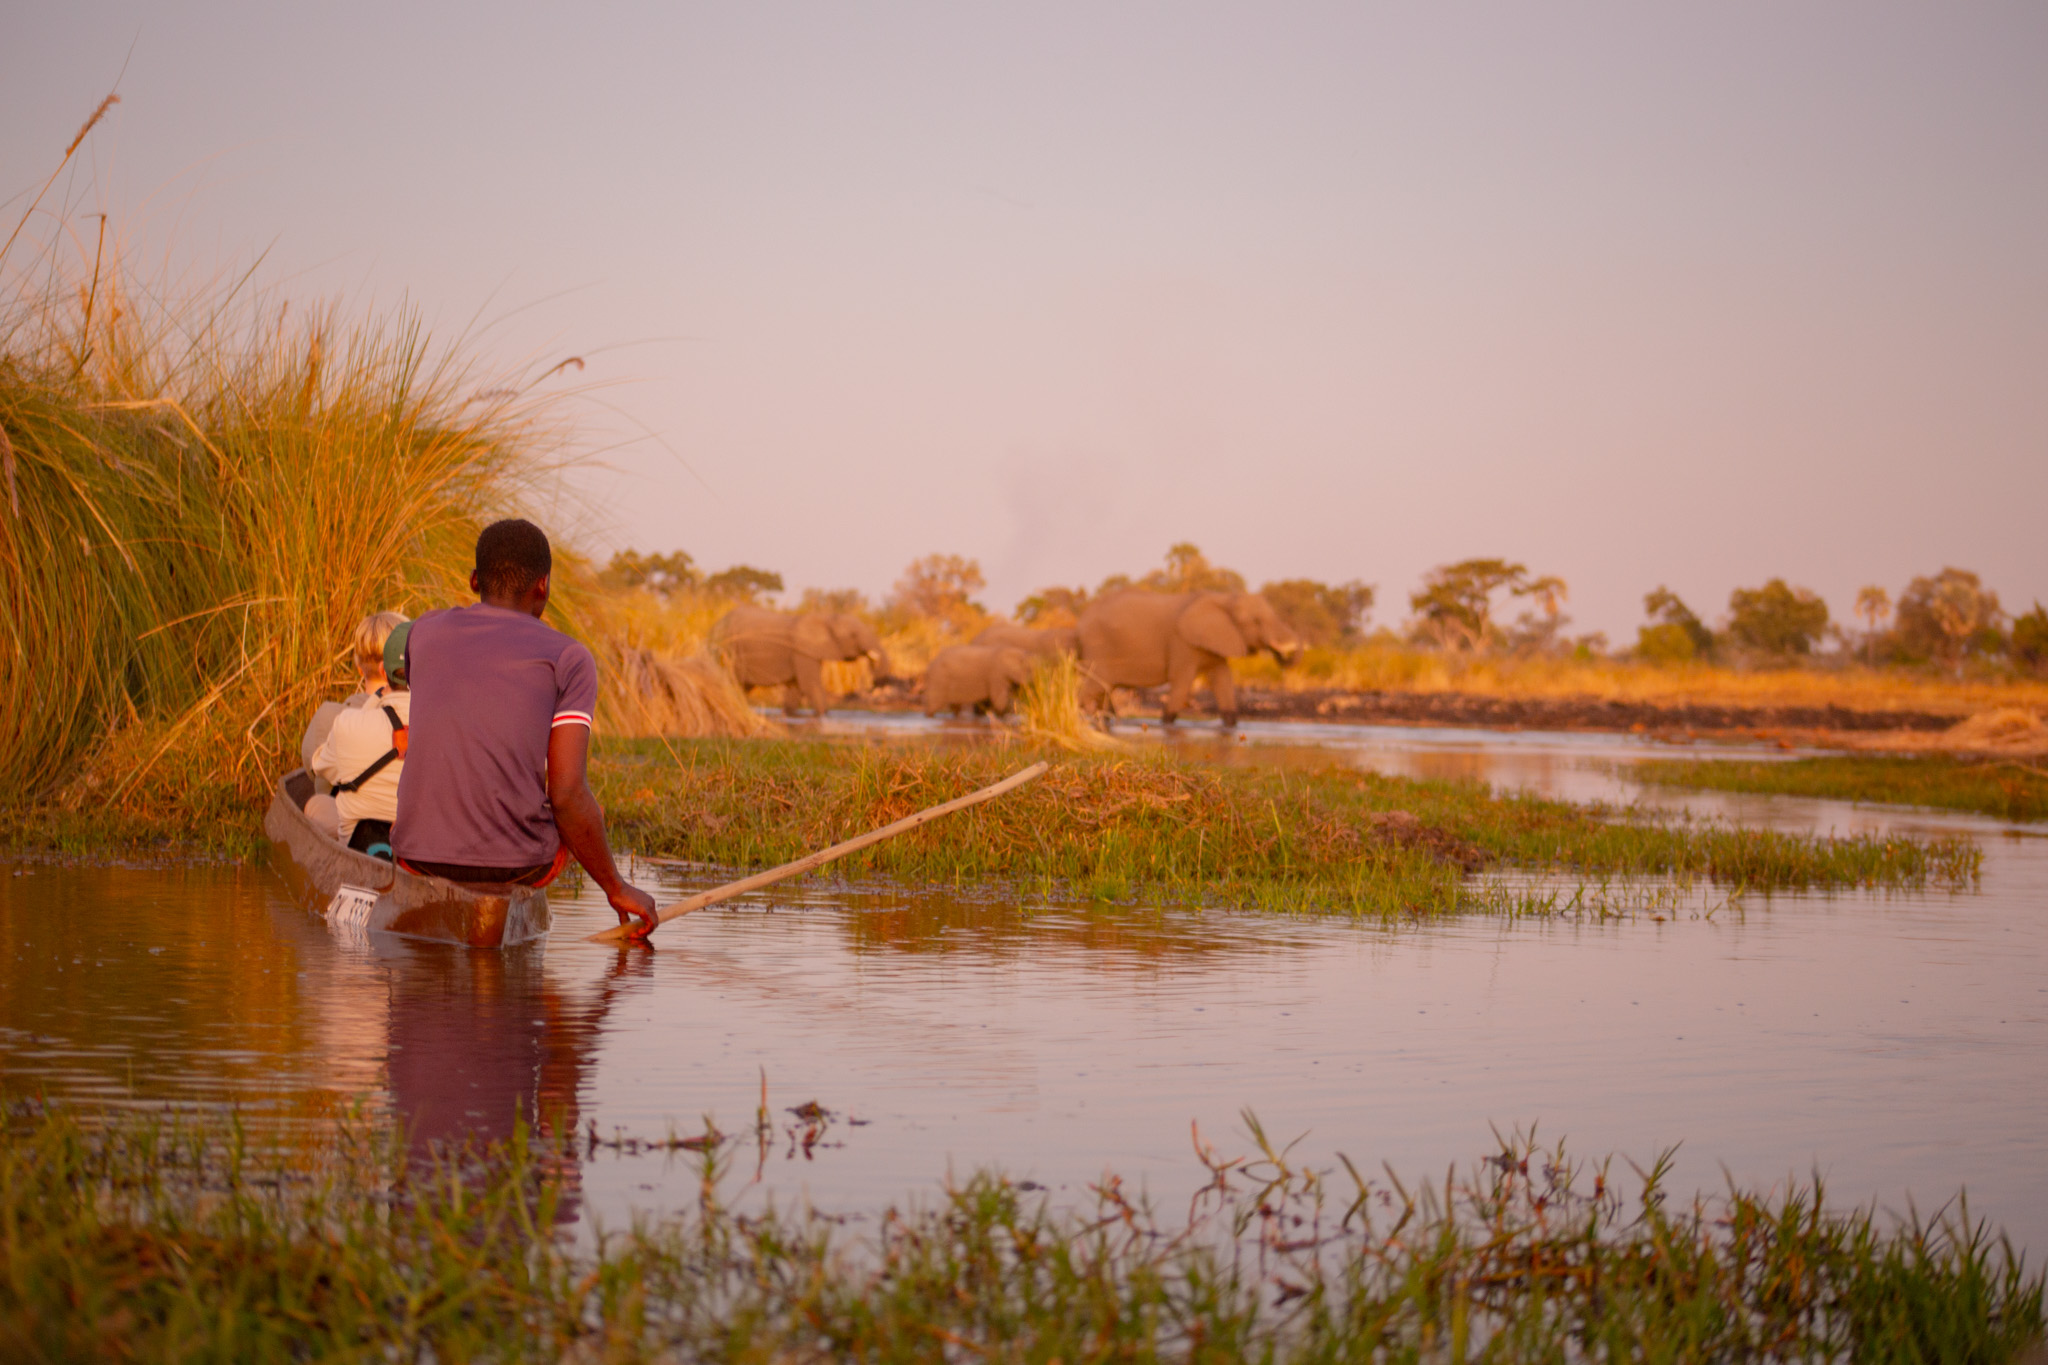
767	648
1138	638
974	675
1038	643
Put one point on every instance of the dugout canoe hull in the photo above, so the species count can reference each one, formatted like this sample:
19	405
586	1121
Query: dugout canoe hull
358	894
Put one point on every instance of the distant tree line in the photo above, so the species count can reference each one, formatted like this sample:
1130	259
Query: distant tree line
1944	619
676	572
1323	614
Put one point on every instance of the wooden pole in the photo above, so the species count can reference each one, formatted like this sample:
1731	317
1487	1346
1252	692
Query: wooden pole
623	933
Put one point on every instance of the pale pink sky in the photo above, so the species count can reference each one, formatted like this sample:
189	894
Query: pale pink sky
1634	294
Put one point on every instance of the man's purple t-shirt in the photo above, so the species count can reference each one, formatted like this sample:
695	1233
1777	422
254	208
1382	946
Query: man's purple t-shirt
488	687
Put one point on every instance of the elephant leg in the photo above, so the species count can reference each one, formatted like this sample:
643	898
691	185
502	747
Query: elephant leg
810	680
1180	690
792	699
1095	693
1224	684
999	695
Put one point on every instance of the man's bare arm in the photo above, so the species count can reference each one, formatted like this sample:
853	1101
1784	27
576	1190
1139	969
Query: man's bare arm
580	820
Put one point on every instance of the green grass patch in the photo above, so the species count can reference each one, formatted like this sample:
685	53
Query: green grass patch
1161	828
140	1241
2008	790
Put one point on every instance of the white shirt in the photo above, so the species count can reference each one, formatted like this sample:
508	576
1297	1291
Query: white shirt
362	735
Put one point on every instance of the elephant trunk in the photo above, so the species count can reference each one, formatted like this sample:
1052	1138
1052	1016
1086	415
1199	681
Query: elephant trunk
879	659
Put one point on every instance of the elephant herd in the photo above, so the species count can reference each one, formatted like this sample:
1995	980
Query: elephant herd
1130	638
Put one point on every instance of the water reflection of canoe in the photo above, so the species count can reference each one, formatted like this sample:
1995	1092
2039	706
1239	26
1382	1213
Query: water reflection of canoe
360	894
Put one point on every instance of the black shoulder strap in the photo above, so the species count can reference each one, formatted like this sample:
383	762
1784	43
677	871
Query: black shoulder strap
390	757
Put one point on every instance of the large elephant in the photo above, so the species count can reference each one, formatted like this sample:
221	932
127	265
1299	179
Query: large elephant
1045	644
1137	638
767	648
974	675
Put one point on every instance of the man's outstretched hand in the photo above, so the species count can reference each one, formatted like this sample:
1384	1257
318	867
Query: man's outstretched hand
633	903
581	823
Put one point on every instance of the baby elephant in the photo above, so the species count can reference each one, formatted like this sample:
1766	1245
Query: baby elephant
974	676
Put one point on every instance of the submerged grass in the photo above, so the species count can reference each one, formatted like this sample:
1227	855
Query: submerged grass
2008	789
1155	827
144	1242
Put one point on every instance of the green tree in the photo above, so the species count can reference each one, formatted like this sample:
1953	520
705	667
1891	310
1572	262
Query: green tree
1538	631
1776	618
1055	606
1189	570
850	600
1454	606
1873	604
1947	616
1116	582
1320	613
939	587
744	583
663	574
1676	634
2030	638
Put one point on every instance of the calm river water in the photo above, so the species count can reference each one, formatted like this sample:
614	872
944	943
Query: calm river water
1898	1044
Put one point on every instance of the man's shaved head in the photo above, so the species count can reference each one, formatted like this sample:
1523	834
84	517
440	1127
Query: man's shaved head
512	556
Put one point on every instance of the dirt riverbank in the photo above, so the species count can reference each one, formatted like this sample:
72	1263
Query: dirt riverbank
1525	713
1564	713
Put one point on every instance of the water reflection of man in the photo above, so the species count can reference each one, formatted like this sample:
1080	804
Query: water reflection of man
480	1042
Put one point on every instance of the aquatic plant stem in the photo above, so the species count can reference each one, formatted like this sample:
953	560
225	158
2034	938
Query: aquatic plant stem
623	934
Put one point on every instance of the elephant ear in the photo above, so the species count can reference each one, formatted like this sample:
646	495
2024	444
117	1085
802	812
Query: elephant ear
813	637
856	637
1207	624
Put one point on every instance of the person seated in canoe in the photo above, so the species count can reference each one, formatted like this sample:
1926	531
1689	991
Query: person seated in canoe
363	750
495	787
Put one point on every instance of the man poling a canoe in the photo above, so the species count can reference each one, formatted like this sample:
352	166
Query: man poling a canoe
495	783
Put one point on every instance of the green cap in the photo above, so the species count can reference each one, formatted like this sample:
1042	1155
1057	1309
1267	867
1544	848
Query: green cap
394	654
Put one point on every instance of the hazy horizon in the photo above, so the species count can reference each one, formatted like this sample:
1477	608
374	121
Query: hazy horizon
1636	298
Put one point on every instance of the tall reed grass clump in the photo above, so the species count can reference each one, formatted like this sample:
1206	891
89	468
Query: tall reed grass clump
134	1240
660	673
1049	707
204	495
205	488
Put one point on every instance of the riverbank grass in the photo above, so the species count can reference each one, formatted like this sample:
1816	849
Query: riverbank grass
137	1240
1160	828
2006	789
1118	827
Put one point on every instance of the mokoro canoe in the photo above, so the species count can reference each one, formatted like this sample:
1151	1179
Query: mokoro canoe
360	894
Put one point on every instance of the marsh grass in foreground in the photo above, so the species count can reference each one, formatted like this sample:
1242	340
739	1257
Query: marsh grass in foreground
2007	789
140	1241
1159	828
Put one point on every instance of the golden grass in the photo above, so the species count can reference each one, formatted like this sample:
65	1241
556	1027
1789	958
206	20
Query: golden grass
1049	707
659	674
2008	732
205	500
206	490
1399	668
